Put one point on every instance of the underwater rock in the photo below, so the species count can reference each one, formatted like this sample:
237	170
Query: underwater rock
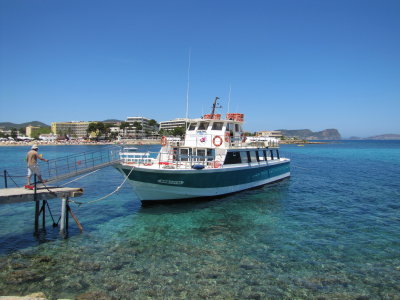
94	295
24	276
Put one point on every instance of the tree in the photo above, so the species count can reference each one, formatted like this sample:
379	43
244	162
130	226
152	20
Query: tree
178	131
14	133
98	128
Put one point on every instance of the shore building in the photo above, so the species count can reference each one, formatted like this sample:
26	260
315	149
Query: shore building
30	129
74	128
145	127
172	124
272	133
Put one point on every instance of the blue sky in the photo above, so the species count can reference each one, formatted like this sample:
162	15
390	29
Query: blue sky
291	64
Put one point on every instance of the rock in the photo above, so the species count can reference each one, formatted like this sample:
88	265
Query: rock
22	276
94	295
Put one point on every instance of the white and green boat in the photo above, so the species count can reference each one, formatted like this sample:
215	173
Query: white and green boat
214	158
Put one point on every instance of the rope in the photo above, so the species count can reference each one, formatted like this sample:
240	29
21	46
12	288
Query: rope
80	177
108	195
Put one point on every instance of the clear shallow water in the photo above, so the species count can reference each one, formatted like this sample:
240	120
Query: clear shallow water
331	231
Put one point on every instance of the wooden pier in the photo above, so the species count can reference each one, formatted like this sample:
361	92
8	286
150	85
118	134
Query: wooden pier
40	196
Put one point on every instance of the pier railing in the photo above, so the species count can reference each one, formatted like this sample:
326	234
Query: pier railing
66	167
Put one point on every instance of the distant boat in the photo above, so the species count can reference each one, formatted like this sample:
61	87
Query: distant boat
300	145
214	158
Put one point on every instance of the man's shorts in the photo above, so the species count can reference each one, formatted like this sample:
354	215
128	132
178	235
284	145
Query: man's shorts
34	169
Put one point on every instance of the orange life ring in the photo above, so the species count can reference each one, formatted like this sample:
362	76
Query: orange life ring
216	164
164	141
217	144
227	136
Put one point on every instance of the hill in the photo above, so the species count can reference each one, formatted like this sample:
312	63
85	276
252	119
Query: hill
307	134
384	137
9	125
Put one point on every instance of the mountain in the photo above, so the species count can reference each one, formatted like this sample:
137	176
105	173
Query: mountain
384	137
9	125
307	134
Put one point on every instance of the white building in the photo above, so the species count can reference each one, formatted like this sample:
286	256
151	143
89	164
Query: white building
172	124
144	123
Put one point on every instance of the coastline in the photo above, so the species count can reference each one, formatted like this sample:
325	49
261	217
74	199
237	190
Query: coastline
78	143
125	142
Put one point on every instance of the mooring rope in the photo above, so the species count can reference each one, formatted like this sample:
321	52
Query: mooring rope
80	177
108	195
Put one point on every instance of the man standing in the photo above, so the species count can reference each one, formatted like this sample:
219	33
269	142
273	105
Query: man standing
33	167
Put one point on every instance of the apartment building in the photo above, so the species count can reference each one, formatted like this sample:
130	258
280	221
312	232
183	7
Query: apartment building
72	129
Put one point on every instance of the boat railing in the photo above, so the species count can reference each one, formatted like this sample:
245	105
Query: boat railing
168	160
203	140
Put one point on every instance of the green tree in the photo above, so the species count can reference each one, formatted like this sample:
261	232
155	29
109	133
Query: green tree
98	128
14	133
178	131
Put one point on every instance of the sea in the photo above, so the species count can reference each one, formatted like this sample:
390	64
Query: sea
330	231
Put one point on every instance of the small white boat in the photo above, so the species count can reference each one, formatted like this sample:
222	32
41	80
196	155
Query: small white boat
214	158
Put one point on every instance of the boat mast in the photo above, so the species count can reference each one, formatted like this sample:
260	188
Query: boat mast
215	106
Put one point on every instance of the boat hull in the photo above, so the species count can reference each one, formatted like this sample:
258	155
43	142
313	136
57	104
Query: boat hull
165	185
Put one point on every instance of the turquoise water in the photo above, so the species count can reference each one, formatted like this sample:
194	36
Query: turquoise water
331	231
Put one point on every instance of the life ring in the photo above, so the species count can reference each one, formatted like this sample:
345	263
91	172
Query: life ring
164	141
217	144
227	136
216	164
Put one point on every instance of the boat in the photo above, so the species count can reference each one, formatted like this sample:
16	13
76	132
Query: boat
214	158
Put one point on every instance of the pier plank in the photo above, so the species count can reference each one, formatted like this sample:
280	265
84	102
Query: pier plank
18	195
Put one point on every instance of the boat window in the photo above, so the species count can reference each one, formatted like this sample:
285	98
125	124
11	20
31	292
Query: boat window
229	127
192	126
203	126
217	125
253	156
201	153
261	155
243	156
210	154
184	155
248	156
232	158
237	127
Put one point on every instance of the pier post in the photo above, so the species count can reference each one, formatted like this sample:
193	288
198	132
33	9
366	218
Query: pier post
5	179
37	205
64	212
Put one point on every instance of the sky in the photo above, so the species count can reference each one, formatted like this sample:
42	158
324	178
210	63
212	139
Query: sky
287	64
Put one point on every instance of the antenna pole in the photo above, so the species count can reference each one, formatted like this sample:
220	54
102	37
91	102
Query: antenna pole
214	107
188	84
229	98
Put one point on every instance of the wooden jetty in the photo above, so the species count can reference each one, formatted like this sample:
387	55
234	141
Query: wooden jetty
40	195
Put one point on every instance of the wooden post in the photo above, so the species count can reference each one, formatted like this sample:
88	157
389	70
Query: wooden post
63	214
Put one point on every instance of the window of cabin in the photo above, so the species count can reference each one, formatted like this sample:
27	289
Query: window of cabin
232	158
237	127
210	154
192	126
201	153
217	125
261	154
184	154
229	127
203	126
253	156
243	156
